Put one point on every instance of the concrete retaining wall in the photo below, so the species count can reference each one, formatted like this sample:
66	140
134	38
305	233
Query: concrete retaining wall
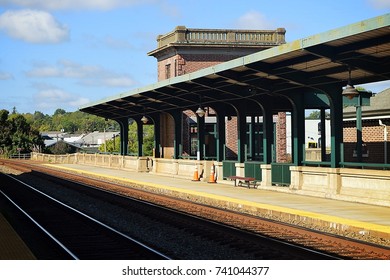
357	185
166	167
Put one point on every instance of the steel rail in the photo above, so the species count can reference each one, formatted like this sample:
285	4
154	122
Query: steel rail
148	248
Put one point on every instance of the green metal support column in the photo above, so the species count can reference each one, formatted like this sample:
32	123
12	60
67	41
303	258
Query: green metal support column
241	132
359	129
140	137
253	137
177	142
200	128
221	134
268	134
362	99
124	135
323	135
298	130
336	114
157	135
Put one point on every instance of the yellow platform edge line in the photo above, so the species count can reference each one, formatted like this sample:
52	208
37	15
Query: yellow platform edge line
313	215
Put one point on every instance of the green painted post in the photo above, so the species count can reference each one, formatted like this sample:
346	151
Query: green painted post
177	116
359	128
124	135
221	135
200	126
298	131
268	135
252	138
336	113
140	137
323	135
157	136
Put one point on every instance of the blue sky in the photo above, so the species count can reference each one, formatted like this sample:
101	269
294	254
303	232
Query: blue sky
66	53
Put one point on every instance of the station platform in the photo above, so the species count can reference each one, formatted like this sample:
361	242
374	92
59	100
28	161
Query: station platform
12	246
364	221
370	222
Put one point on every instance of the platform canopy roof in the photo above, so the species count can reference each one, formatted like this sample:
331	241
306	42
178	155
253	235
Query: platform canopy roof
316	63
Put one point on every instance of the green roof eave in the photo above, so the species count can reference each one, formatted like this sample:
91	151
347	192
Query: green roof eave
301	44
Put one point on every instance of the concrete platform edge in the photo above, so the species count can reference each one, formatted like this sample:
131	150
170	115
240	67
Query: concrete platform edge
293	216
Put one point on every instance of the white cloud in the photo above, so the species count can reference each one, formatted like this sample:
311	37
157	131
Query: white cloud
88	75
380	4
70	69
52	98
5	76
33	26
44	71
254	20
116	43
117	81
73	4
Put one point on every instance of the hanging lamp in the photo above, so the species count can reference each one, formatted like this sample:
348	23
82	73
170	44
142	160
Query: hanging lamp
350	91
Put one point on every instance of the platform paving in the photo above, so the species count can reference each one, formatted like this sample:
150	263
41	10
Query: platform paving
359	218
354	218
12	247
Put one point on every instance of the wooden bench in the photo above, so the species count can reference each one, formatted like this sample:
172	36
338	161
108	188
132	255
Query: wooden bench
241	180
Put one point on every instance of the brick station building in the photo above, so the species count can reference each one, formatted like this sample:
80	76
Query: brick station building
186	50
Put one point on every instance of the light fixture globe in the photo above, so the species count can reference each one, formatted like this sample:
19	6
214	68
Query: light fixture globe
350	91
144	119
200	112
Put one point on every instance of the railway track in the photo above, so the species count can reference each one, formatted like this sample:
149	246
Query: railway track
307	244
79	235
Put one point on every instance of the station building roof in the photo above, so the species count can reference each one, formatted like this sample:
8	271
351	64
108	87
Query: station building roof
316	62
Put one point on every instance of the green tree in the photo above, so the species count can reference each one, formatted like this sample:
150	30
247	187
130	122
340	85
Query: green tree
148	141
316	115
5	132
17	135
59	112
112	145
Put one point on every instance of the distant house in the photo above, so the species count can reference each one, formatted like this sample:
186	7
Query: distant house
55	143
92	141
50	138
62	147
76	143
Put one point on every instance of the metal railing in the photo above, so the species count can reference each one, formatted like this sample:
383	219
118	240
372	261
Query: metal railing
20	156
363	165
252	169
281	174
229	168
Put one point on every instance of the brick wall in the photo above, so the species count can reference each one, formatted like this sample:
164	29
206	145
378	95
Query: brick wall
172	62
231	138
281	141
369	134
373	138
176	63
187	63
